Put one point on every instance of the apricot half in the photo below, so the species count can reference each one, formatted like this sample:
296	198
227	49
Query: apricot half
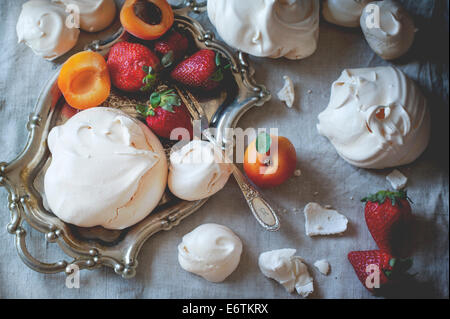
146	19
84	80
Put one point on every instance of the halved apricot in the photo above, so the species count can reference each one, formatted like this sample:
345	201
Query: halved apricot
84	80
146	19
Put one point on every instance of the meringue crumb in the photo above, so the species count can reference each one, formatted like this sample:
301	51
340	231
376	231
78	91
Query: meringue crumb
297	173
323	266
287	93
328	206
316	193
397	179
309	91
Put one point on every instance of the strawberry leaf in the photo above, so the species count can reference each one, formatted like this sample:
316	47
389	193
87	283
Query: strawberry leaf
380	197
263	142
142	109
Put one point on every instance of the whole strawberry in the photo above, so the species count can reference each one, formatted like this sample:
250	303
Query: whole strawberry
132	67
172	47
165	112
386	212
377	264
203	70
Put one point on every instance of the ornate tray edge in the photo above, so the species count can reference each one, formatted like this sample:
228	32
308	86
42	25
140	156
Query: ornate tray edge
92	258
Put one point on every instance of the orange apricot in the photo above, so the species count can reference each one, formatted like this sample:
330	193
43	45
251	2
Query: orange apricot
84	80
146	19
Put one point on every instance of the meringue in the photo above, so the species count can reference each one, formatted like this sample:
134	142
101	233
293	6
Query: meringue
323	221
287	92
95	15
287	269
322	266
197	170
376	118
42	27
268	28
211	251
397	179
107	169
396	31
345	13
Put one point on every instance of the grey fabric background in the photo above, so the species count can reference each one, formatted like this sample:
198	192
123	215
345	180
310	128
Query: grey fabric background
22	75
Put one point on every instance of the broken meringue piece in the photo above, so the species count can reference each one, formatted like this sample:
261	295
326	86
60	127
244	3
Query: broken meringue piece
322	221
397	179
287	269
323	266
287	93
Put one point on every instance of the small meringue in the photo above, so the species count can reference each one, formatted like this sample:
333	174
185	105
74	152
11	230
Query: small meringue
212	251
197	170
395	33
42	26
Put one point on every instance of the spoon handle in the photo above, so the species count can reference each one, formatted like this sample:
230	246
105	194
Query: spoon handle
262	211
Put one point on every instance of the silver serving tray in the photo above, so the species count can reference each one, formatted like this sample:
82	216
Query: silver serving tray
90	248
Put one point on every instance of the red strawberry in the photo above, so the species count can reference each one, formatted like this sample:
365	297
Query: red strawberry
132	66
202	70
377	264
171	48
165	112
385	213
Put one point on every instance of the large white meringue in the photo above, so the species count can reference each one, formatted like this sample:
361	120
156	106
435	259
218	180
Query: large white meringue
197	171
95	15
212	251
107	169
376	118
345	13
268	28
42	27
287	269
396	31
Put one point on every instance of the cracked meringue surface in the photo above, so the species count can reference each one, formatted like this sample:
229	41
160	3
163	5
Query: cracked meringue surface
376	118
107	169
268	28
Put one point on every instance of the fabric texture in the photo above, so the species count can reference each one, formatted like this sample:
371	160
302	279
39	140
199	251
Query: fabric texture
325	178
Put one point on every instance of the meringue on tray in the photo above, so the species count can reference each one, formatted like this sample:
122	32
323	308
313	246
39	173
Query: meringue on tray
197	170
275	28
107	169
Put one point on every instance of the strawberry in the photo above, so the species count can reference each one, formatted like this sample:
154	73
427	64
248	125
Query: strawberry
132	66
165	112
203	70
370	264
385	213
171	47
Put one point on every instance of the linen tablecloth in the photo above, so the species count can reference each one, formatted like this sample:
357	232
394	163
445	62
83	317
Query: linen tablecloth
326	178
